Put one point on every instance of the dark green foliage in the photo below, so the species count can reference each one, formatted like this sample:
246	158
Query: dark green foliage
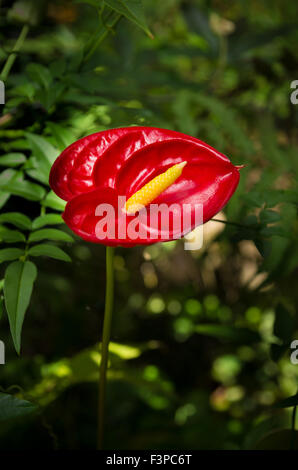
202	340
11	407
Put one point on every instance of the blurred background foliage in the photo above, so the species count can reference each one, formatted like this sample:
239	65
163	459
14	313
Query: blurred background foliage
201	352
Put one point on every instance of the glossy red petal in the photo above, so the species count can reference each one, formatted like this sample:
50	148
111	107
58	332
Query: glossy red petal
99	168
82	216
96	160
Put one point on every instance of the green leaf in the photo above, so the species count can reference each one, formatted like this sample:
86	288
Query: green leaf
40	75
54	202
251	221
3	198
42	149
274	230
94	3
58	67
49	250
11	236
278	253
132	10
12	159
264	246
229	118
16	218
12	407
288	402
269	216
10	254
84	367
18	285
198	21
48	98
62	136
47	219
26	189
25	11
44	154
36	174
230	333
254	199
246	41
6	176
1	307
27	91
49	234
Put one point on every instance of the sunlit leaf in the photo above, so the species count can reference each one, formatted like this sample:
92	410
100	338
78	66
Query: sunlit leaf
44	153
26	189
46	219
54	202
124	351
62	135
12	159
84	367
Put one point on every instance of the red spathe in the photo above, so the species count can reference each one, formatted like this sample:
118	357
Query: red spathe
97	169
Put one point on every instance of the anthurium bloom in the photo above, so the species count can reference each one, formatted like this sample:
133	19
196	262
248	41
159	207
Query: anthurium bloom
140	185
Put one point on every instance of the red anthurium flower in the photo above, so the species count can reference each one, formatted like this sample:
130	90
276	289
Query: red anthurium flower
110	180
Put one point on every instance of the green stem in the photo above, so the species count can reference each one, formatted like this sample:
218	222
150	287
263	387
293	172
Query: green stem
235	224
102	34
12	57
292	447
105	342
